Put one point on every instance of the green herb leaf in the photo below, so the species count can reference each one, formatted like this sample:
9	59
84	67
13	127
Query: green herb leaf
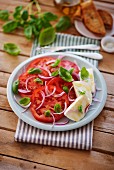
50	16
56	63
4	15
24	101
15	86
24	15
82	92
35	31
17	12
71	71
12	49
10	26
47	113
47	36
28	31
57	108
38	81
34	71
66	89
55	73
65	75
45	23
80	108
63	24
84	73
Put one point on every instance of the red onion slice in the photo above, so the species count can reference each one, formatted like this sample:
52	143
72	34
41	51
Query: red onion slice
45	78
27	80
96	100
71	100
61	57
87	108
24	91
98	89
25	107
51	93
59	95
49	62
63	110
53	119
63	123
43	98
45	70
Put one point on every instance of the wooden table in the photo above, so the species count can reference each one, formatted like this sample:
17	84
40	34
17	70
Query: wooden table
24	156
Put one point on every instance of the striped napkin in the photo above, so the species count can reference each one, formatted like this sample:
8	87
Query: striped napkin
80	138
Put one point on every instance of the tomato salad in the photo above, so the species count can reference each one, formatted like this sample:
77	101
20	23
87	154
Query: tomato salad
46	87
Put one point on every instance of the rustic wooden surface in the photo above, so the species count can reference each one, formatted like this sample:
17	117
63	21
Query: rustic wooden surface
21	156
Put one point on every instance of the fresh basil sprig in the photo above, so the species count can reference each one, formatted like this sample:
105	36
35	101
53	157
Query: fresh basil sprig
56	63
47	113
12	49
15	86
10	26
34	71
65	74
38	80
57	108
55	73
63	23
66	89
84	73
24	101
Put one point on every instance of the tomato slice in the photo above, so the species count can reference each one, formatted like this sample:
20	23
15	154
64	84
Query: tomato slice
48	104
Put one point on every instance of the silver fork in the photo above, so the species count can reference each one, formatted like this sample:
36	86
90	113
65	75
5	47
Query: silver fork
58	48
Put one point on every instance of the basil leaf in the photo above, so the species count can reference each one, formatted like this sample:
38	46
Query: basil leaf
12	49
38	81
15	86
10	26
4	15
80	108
84	73
28	31
34	71
65	75
47	113
35	31
50	16
45	23
24	101
71	71
57	108
66	89
24	15
82	92
17	12
56	63
63	24
55	73
47	36
39	24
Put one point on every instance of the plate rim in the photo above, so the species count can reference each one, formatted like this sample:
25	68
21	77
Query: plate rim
49	127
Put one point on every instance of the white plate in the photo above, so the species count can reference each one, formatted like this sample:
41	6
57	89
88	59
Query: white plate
27	116
85	32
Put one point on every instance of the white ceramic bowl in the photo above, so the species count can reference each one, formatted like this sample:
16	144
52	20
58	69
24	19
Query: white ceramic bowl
107	44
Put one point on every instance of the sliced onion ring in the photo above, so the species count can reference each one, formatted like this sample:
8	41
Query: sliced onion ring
59	95
43	98
24	91
51	93
63	110
63	123
49	62
71	100
45	70
96	100
26	83
45	78
53	119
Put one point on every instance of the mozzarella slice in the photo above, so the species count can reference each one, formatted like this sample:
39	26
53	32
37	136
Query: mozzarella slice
76	111
90	79
81	87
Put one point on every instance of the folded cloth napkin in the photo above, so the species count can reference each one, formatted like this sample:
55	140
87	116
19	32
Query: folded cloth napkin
80	138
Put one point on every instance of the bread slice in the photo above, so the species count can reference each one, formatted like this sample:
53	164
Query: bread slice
107	18
92	19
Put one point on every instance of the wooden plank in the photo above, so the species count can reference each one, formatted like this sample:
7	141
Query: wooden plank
3	91
110	102
109	78
8	163
61	158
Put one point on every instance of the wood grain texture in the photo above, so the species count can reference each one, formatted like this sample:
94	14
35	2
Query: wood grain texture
8	163
54	156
